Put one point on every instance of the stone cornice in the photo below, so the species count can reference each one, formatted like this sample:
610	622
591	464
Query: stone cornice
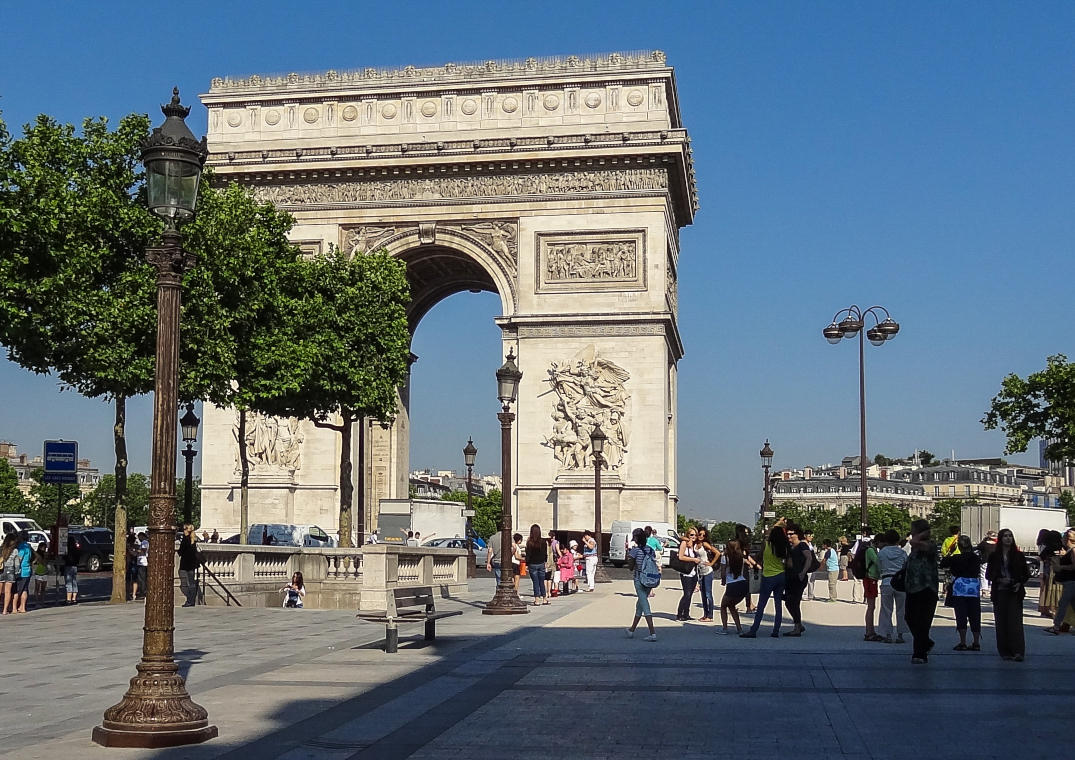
456	73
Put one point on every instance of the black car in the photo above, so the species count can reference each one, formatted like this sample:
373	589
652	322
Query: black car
95	547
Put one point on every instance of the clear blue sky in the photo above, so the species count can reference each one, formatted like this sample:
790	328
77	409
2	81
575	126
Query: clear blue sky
916	155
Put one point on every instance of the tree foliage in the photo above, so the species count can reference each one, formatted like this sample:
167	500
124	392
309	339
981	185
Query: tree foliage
1067	502
49	499
827	524
487	514
1040	406
12	499
723	531
343	349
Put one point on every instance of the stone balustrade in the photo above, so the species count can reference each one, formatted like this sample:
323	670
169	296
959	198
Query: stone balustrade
335	578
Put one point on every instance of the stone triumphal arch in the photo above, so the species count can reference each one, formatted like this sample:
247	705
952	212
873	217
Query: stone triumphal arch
558	184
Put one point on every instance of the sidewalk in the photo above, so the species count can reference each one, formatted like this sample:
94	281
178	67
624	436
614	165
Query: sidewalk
310	684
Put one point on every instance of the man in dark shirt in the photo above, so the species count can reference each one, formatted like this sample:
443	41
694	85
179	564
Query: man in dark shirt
188	565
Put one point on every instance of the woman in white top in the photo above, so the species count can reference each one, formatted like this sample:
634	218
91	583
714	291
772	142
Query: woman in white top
688	552
294	592
708	555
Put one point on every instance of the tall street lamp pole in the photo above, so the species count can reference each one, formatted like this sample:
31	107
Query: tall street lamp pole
156	711
470	452
883	330
767	485
189	423
506	600
597	445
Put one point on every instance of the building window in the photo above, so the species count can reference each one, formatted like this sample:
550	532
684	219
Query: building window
951	490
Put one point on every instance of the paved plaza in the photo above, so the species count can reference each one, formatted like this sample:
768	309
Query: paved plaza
564	678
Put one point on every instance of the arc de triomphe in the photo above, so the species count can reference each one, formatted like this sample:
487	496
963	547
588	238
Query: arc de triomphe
558	184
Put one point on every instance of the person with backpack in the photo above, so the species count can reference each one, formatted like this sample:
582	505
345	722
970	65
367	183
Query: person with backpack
870	583
892	560
647	576
830	557
856	566
774	553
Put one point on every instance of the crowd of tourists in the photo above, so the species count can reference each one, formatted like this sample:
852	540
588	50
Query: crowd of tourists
909	576
553	566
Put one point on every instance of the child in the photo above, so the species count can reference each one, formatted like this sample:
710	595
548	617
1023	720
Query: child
566	563
576	557
41	572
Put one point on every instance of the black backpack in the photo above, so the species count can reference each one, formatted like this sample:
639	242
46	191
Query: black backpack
857	566
814	564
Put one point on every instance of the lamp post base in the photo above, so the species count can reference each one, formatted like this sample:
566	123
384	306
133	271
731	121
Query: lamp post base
155	712
506	601
599	575
472	565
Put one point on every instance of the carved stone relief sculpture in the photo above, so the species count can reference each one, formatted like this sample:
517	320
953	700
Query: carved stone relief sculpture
590	390
485	186
359	240
273	444
584	261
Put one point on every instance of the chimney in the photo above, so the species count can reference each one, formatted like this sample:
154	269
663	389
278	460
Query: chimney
808	473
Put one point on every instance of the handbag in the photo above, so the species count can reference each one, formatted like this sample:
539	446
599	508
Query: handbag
899	580
679	565
966	587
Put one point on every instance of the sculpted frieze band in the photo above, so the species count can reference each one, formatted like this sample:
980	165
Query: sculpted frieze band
481	186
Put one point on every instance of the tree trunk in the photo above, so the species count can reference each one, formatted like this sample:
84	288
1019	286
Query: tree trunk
244	481
119	549
347	488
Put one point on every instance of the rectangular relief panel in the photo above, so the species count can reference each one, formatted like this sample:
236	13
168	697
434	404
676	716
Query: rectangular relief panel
571	262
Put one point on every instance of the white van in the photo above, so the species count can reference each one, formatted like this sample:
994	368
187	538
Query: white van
283	534
621	537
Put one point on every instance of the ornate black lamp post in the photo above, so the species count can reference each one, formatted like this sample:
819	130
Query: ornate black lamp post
470	451
597	446
767	485
882	330
506	601
189	423
156	711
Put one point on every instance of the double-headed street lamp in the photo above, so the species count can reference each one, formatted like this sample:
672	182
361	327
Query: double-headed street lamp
767	484
506	600
156	711
597	445
848	327
189	423
470	452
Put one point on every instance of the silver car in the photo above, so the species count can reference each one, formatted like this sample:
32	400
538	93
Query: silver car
480	552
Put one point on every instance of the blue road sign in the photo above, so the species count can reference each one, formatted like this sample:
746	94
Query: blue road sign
61	458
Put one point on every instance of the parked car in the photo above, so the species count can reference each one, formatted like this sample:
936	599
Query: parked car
283	534
95	546
480	552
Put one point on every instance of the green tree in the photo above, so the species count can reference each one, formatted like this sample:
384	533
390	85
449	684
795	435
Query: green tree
343	349
47	500
882	461
76	297
12	499
925	457
882	517
723	531
945	514
235	306
100	503
487	514
1067	502
1040	406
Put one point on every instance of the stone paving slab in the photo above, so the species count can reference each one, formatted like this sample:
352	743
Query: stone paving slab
314	685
